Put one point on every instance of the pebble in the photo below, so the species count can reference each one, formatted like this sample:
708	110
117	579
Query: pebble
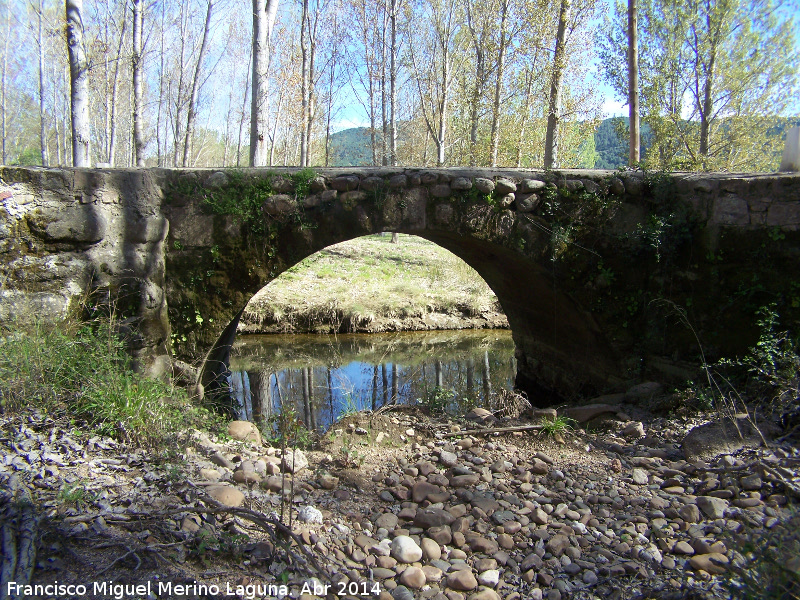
405	549
489	578
462	580
413	577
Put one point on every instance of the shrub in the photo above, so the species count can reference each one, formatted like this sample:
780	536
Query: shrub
83	370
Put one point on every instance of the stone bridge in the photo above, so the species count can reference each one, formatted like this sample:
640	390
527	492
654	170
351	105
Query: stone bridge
599	272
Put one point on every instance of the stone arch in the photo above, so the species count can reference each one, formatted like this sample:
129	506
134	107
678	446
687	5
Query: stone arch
560	349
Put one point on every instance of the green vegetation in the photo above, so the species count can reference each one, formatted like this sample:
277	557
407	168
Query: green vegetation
366	279
714	80
351	148
771	566
559	425
82	371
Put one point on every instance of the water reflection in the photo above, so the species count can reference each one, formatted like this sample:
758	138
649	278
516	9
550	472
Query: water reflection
323	377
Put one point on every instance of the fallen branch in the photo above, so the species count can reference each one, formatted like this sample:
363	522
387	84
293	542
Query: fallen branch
495	430
19	532
270	525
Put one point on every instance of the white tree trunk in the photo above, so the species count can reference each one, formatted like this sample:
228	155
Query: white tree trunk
42	130
393	85
633	83
263	22
79	76
136	64
551	138
190	114
5	66
112	126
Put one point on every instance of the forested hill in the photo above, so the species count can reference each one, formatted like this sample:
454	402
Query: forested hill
351	147
611	143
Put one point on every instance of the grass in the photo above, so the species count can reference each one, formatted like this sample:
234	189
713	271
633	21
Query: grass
81	371
559	425
360	281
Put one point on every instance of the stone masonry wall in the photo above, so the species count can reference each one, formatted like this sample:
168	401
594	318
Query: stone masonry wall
578	259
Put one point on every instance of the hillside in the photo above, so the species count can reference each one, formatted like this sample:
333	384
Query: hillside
351	148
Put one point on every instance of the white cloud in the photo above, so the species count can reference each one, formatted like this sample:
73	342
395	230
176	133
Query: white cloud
614	108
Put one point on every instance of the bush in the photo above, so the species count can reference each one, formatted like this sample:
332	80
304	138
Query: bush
83	370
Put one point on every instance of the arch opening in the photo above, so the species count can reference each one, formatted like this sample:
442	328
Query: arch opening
418	301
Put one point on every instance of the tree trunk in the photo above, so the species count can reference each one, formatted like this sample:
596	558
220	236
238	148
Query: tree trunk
438	371
393	85
394	382
190	116
244	106
395	237
525	115
137	105
440	140
708	107
114	89
304	85
384	98
42	131
498	88
79	76
633	83
5	66
551	138
263	22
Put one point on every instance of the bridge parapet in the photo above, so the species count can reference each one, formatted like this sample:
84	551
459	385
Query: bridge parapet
575	257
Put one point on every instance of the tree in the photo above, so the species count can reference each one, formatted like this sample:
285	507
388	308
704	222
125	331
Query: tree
264	14
42	117
136	70
192	111
713	80
559	55
434	64
633	83
78	83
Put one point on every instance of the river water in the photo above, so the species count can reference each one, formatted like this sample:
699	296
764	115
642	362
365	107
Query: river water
326	376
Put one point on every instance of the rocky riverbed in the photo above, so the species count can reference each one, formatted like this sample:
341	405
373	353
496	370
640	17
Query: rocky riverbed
404	505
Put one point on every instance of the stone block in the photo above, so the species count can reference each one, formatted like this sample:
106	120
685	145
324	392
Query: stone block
279	204
531	185
485	186
505	186
730	210
783	214
461	184
282	185
398	182
146	229
443	214
345	183
79	223
370	184
527	202
191	228
441	190
429	178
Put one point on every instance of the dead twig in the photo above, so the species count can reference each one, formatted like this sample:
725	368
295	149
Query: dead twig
123	557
